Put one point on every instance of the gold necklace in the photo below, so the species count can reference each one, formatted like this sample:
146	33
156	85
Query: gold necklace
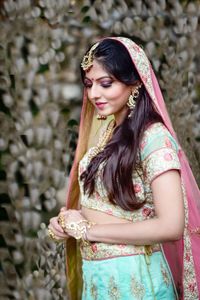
104	140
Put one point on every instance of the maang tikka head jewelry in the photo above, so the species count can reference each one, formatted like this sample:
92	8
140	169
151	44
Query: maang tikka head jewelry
87	61
131	100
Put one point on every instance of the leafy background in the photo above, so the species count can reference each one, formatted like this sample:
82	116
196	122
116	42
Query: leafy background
41	46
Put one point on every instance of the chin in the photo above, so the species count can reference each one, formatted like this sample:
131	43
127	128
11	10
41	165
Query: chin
104	114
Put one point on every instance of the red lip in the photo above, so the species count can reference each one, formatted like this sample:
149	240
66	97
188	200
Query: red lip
100	105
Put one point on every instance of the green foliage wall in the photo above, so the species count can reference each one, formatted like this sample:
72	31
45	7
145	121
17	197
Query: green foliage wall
41	45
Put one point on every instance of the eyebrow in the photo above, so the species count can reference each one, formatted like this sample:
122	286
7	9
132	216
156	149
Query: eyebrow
102	77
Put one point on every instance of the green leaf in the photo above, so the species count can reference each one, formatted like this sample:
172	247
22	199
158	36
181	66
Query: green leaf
72	123
65	111
86	19
43	68
84	9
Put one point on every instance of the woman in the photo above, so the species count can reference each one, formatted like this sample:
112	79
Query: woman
136	217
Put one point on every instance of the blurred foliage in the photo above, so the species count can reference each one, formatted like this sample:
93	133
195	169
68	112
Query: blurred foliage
41	45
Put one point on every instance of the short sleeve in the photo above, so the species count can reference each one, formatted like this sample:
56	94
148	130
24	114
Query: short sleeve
159	152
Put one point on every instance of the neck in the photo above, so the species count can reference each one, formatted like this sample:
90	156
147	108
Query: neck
120	116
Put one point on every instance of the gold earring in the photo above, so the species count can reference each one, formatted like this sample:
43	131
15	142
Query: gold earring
100	117
131	100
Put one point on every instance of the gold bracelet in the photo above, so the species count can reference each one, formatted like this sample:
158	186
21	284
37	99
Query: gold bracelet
52	235
80	228
84	239
80	231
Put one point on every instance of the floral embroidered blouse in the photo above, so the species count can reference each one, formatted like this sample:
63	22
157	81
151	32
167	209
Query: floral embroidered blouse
158	151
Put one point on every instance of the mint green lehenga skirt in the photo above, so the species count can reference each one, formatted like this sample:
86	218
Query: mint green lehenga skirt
134	277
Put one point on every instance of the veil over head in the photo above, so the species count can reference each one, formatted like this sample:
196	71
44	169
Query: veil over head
183	256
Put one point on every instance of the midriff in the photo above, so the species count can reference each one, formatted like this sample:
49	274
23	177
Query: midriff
99	251
99	217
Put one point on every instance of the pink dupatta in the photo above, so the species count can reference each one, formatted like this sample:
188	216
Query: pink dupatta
183	256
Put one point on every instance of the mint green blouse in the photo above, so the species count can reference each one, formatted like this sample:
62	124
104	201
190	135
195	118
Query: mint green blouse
158	151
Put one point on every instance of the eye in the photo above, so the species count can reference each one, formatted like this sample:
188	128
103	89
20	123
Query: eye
106	84
87	84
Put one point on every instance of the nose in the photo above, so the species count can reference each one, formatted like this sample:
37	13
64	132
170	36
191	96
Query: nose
94	92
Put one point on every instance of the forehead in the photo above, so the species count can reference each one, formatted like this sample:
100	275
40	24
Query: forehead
96	71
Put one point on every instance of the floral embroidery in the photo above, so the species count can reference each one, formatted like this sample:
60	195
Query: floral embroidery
192	287
109	211
137	288
137	188
157	144
153	164
148	211
141	62
143	65
113	289
168	156
165	275
122	246
98	251
159	162
168	143
97	196
94	247
189	281
187	257
93	291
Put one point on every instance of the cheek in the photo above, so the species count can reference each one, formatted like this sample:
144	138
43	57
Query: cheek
121	97
117	94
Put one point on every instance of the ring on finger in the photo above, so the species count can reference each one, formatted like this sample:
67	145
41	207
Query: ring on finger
61	221
51	234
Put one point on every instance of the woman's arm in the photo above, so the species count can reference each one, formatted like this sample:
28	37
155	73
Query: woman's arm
167	226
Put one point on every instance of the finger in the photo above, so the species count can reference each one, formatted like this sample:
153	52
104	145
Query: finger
64	213
78	212
63	209
54	223
71	212
59	235
54	237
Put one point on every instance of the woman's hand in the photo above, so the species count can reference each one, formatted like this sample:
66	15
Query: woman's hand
56	232
71	216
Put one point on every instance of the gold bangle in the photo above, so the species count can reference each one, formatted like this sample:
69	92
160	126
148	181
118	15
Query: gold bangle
80	228
77	228
84	239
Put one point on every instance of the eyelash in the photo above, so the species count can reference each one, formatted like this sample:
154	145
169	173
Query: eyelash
106	85
103	85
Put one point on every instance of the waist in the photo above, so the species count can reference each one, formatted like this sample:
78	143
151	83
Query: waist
98	251
112	210
103	205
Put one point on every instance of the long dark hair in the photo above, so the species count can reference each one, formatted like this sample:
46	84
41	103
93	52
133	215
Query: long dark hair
121	155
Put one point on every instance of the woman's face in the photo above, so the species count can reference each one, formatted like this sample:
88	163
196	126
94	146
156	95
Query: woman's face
108	95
